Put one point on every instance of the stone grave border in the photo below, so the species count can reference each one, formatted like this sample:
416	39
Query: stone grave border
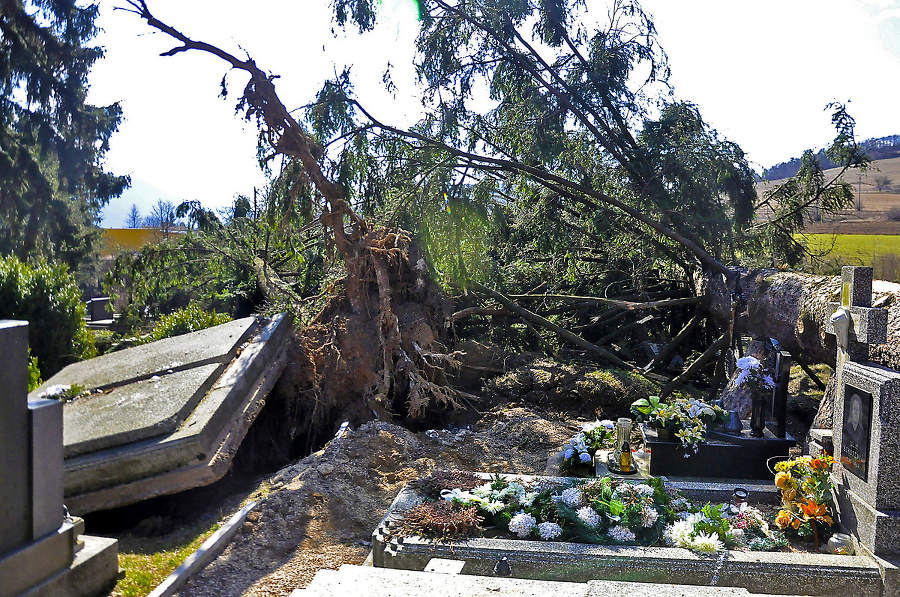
758	572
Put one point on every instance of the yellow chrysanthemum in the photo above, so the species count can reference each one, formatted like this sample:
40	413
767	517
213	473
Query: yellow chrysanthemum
781	480
782	467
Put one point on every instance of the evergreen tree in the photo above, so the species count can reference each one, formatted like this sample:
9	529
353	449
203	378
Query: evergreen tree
52	143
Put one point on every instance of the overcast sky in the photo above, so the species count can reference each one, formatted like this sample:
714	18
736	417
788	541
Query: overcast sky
761	72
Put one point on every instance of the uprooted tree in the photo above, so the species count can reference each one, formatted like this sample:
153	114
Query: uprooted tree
584	201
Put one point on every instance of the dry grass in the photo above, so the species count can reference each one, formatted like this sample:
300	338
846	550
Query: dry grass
875	217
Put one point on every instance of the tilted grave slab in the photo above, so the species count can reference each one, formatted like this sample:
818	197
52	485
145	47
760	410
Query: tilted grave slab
758	572
166	416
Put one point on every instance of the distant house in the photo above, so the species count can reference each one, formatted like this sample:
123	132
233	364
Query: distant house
118	240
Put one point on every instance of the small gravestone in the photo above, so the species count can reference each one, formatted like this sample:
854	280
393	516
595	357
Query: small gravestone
866	427
38	544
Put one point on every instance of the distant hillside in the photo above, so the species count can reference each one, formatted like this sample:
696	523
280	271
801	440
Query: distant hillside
882	148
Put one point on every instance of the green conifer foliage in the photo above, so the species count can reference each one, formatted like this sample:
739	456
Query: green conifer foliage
52	143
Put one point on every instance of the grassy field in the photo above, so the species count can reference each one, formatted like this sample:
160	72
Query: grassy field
877	250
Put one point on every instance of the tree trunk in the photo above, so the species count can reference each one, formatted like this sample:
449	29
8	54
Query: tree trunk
793	308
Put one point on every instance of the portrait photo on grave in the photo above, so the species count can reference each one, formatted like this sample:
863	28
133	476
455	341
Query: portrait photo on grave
855	431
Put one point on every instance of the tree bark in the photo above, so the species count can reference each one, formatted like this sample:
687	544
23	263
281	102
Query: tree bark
793	308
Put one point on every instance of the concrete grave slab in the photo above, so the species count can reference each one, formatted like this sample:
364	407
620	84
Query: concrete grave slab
214	345
187	438
136	411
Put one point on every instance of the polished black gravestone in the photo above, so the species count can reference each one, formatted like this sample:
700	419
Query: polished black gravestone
728	455
723	455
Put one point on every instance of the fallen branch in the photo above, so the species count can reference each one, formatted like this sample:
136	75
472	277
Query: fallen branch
548	325
629	305
715	347
491	311
677	341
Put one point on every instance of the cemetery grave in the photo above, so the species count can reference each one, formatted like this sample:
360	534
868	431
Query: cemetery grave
166	416
865	440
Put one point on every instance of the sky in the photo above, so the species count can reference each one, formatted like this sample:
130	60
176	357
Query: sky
760	72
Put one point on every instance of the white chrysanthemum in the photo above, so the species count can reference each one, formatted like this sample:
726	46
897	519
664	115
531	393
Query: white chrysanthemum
678	534
696	517
549	530
588	516
521	524
493	507
482	490
707	543
748	362
621	534
571	497
649	516
528	498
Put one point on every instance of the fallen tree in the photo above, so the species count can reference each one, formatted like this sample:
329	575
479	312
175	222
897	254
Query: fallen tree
567	135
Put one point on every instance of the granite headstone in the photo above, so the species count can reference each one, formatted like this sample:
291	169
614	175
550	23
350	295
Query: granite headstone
866	428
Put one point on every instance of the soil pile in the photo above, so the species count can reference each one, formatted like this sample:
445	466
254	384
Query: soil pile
320	512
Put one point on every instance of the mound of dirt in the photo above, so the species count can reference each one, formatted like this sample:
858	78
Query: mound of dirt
578	390
320	512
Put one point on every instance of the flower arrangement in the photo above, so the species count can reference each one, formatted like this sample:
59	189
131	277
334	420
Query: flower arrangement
606	511
806	496
751	374
600	511
582	447
713	528
687	419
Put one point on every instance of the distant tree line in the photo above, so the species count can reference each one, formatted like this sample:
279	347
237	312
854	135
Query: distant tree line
882	148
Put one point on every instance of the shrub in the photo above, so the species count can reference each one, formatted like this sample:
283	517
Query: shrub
46	296
892	214
34	373
190	319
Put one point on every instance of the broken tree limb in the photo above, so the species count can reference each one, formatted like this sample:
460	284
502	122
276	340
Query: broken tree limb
607	318
563	333
463	313
629	305
677	341
624	329
679	381
801	361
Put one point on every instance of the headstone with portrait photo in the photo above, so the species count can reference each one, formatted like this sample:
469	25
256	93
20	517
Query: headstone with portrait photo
866	428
